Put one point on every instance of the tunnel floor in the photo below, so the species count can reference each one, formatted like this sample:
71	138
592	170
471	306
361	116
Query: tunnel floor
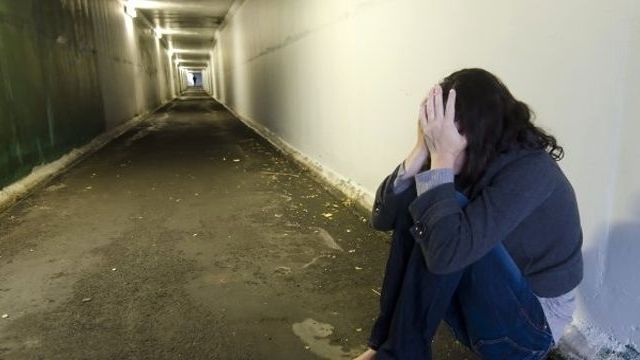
189	237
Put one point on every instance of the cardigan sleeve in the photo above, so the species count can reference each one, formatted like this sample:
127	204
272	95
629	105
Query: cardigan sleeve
390	201
452	236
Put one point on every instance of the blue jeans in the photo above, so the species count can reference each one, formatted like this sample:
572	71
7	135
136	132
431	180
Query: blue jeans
488	305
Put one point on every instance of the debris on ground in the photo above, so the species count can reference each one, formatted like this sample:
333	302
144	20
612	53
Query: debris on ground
327	238
282	270
317	338
313	261
5	316
55	187
87	299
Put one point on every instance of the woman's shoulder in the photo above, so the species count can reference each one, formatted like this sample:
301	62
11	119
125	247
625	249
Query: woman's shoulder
521	165
528	162
537	168
531	161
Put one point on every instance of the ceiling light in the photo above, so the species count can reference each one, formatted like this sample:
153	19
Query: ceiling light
190	51
130	10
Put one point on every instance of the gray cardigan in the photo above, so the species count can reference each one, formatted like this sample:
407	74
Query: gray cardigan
523	199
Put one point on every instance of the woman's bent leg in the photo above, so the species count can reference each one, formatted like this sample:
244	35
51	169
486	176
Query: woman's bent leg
399	255
422	303
454	318
420	300
503	318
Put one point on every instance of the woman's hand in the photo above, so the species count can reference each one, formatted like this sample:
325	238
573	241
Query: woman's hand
370	354
418	155
441	136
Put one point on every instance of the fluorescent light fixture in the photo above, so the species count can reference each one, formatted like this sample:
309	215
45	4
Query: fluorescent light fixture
188	32
130	10
190	51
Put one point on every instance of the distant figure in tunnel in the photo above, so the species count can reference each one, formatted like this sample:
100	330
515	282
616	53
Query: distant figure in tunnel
486	230
195	80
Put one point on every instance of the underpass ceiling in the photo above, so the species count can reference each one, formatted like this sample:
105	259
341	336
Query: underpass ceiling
188	25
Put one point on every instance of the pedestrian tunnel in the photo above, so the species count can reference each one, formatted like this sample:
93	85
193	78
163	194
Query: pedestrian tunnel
195	178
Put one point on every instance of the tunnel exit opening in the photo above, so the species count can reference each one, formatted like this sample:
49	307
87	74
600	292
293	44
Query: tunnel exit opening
194	78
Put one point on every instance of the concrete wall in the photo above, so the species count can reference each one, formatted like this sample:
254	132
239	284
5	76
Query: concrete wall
69	70
340	82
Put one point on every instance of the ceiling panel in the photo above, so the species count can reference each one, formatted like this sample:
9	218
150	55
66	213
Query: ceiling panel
187	25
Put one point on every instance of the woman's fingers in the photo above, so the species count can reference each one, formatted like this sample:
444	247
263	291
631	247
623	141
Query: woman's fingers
450	112
422	118
430	106
439	106
424	101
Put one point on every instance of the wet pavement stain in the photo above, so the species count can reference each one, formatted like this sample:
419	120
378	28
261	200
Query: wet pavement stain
192	238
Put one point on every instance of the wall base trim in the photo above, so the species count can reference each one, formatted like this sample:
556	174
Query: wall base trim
333	181
42	174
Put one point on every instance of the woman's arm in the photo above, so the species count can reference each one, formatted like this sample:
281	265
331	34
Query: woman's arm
392	197
397	190
453	237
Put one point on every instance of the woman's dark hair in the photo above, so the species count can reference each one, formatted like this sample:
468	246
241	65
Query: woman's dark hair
493	121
